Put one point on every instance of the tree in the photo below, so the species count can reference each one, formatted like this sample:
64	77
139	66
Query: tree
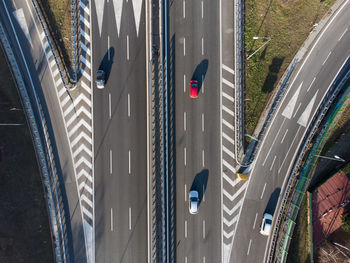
345	218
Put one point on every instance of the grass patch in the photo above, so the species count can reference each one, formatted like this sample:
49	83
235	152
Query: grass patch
58	17
287	23
24	226
299	249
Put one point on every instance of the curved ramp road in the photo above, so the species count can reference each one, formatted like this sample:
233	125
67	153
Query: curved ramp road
120	193
309	82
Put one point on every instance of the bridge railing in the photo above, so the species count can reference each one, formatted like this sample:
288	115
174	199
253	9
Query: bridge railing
45	156
299	187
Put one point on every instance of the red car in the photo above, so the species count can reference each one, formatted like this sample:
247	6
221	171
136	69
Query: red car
193	89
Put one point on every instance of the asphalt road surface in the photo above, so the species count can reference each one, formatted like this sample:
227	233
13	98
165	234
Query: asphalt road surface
309	82
120	132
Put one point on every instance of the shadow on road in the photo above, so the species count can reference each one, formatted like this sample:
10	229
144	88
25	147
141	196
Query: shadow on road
200	72
271	205
200	183
106	64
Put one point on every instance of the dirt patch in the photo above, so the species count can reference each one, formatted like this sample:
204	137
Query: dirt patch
24	227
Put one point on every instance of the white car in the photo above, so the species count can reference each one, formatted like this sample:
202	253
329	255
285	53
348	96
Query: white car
193	201
266	224
100	79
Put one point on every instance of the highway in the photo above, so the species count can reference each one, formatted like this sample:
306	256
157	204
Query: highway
120	173
194	48
309	82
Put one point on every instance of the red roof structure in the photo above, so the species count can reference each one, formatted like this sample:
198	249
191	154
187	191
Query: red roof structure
328	204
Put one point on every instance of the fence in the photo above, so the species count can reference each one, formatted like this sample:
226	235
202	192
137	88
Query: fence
239	75
75	30
303	181
44	156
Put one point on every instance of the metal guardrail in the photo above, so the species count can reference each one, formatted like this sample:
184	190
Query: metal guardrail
49	41
239	75
43	153
328	99
75	30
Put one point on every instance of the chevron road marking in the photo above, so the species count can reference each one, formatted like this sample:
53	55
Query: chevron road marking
237	193
228	83
229	223
228	110
86	200
86	187
225	95
85	87
83	160
85	21
85	173
229	166
228	69
81	148
87	212
228	138
226	150
79	137
228	235
231	211
85	48
230	181
85	35
228	124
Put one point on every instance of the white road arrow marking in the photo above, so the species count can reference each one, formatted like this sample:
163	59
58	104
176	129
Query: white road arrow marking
288	111
306	114
118	8
137	5
19	15
100	8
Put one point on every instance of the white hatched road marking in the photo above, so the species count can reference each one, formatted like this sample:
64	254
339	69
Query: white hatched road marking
228	69
228	83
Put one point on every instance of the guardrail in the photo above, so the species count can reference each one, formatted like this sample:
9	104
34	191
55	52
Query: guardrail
239	75
49	41
44	156
302	184
75	30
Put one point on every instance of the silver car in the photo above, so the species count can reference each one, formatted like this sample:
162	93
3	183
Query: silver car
266	224
100	79
193	202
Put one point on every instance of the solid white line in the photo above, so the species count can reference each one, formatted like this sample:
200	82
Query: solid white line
326	58
310	84
184	46
203	158
109	55
256	216
110	105
112	219
129	218
128	105
127	47
343	34
202	46
228	69
185	156
185	192
295	113
185	229
202	9
184	83
184	9
284	136
202	122
203	229
202	84
110	162
129	162
263	191
289	149
250	242
273	142
185	121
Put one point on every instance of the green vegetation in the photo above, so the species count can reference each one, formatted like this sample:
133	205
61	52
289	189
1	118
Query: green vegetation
58	17
24	226
287	23
299	249
345	218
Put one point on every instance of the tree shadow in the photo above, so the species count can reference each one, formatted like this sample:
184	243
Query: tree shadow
200	72
107	62
200	183
272	76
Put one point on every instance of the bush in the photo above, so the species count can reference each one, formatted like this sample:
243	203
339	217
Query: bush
345	218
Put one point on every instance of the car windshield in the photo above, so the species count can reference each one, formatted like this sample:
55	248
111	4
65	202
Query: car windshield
268	221
193	198
194	85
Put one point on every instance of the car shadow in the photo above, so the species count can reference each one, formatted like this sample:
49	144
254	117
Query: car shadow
200	72
200	184
271	205
106	64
